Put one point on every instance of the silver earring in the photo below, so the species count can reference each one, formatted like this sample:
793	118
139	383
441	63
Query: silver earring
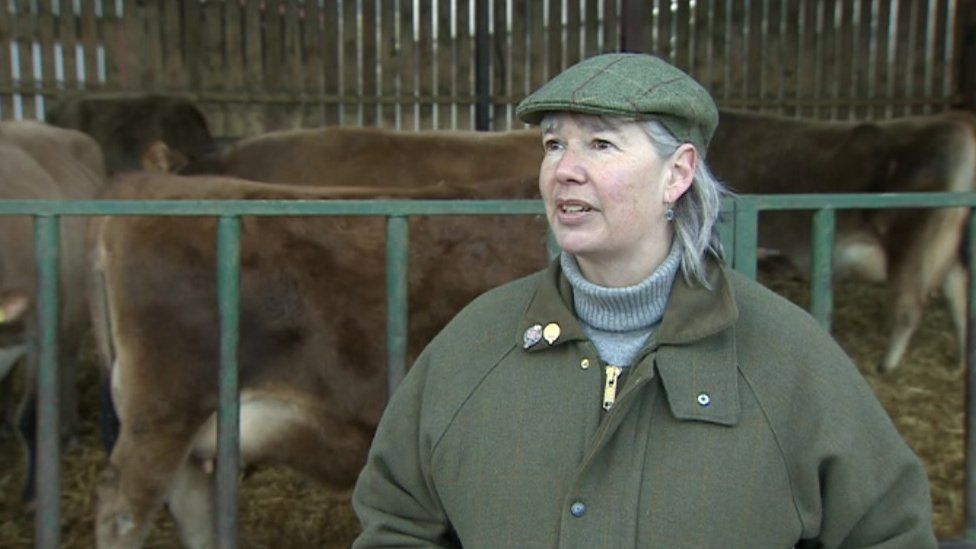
669	213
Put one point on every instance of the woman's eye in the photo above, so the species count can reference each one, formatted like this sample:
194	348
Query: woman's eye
550	145
602	144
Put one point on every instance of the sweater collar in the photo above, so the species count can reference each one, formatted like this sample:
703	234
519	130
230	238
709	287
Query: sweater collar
692	313
700	381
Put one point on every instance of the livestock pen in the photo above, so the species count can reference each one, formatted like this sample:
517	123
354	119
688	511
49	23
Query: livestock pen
739	238
260	65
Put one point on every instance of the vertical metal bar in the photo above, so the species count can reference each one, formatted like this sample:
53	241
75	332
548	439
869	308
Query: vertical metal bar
726	230
378	62
341	57
47	250
838	53
397	254
818	67
821	269
360	63
228	412
969	487
746	46
746	235
482	47
854	58
911	60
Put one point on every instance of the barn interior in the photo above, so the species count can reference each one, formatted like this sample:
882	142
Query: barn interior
259	66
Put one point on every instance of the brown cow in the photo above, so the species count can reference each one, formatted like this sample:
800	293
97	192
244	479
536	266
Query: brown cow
42	162
381	158
754	153
915	251
312	335
125	125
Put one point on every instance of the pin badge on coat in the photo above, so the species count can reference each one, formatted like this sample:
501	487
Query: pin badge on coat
531	336
551	333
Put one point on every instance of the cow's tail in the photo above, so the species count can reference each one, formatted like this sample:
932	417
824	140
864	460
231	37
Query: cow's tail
102	329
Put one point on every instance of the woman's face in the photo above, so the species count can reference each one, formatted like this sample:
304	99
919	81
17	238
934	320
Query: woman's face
605	190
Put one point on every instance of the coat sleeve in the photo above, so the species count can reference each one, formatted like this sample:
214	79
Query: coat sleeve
394	497
862	486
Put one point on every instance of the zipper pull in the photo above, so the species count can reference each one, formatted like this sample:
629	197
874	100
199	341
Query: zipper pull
610	387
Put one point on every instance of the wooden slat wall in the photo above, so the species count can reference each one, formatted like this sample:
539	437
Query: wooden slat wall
259	65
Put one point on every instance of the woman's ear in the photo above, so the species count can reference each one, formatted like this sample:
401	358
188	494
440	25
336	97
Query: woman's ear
682	172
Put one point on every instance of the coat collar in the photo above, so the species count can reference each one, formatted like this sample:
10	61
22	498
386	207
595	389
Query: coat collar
696	356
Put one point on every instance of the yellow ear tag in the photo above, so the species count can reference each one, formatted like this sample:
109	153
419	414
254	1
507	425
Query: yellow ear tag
551	333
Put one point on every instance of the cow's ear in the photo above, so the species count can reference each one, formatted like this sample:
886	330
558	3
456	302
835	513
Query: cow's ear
159	157
13	305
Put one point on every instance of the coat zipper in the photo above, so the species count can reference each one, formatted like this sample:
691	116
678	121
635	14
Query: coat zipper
610	386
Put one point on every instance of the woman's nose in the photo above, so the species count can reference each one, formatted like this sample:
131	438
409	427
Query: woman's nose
570	168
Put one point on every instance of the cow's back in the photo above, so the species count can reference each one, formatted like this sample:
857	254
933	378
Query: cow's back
383	158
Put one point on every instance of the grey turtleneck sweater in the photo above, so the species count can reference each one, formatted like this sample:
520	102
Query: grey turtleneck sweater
619	321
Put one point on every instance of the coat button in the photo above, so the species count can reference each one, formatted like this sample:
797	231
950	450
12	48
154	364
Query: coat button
585	363
577	509
704	399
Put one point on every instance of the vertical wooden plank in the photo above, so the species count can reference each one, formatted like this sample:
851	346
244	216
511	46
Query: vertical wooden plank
234	119
135	45
312	43
534	46
178	31
592	28
571	47
913	57
387	68
330	61
205	61
6	80
952	16
464	82
254	65
274	72
152	61
366	29
45	22
24	32
553	35
90	42
663	31
520	62
443	64
928	82
500	58
837	60
407	67
110	29
729	50
874	49
680	35
293	62
612	24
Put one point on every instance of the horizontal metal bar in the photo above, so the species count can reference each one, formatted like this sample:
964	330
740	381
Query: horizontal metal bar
859	201
449	207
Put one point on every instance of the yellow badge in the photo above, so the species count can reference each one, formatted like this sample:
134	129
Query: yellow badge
551	333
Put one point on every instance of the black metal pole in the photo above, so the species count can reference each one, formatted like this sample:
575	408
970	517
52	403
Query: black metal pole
482	73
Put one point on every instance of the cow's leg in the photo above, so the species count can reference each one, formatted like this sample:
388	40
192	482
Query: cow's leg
144	465
924	248
955	290
191	502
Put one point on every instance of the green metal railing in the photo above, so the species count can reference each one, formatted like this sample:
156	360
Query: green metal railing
739	235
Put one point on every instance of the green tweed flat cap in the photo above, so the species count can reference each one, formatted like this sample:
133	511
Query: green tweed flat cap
630	85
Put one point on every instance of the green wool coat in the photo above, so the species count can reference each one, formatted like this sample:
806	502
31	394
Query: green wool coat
741	425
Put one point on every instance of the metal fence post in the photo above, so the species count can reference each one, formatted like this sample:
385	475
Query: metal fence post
397	258
746	235
47	250
228	412
822	267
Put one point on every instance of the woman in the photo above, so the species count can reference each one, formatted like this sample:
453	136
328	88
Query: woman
637	393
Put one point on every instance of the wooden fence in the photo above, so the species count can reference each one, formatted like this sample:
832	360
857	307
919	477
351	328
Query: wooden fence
258	65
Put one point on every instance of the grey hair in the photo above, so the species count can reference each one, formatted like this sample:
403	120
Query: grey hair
696	213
